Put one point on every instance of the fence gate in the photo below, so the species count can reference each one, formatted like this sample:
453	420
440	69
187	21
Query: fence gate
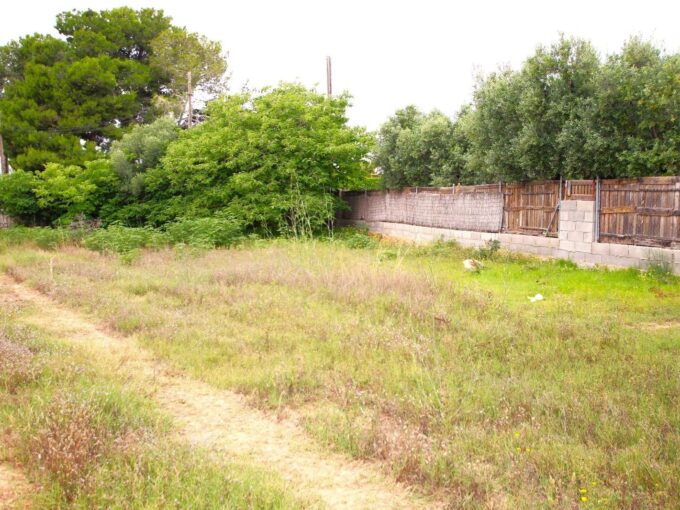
643	211
531	208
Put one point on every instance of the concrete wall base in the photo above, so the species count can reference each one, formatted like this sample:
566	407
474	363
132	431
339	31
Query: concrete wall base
583	252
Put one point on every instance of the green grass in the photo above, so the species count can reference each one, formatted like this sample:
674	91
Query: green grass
89	440
454	381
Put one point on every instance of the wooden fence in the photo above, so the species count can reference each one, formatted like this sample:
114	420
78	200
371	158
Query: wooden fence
644	211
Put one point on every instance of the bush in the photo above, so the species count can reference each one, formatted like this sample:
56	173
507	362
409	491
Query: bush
42	237
354	237
206	232
489	250
119	239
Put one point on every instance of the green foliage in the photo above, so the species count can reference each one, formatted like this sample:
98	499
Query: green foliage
272	161
64	98
419	150
17	196
177	52
206	232
59	193
140	150
564	113
42	237
354	237
120	239
64	192
489	250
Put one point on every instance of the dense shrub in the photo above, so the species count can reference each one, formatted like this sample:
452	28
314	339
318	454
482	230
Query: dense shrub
43	237
270	160
206	232
120	239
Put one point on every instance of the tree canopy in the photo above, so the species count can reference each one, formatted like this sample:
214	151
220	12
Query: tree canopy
272	160
65	99
564	113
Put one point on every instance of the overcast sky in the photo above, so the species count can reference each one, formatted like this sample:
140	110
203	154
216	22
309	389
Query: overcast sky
386	54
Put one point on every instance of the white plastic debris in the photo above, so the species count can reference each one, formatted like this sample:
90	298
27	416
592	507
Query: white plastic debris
472	265
537	297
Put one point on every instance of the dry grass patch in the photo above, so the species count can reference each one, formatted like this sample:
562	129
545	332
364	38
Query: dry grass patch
454	381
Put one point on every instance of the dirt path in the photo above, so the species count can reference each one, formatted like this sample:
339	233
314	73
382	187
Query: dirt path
13	487
222	421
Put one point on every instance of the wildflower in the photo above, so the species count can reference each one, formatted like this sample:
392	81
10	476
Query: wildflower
584	498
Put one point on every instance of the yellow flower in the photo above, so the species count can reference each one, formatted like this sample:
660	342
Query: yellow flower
583	490
584	499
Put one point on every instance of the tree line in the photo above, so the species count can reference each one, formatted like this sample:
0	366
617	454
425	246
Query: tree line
565	113
91	120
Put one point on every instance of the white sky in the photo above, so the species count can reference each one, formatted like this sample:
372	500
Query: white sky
386	54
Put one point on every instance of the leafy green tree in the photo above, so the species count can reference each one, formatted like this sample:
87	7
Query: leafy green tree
271	161
66	99
17	197
638	113
415	149
536	123
176	52
139	150
64	192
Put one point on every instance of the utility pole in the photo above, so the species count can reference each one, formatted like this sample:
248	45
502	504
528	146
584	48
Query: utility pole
190	117
4	168
329	77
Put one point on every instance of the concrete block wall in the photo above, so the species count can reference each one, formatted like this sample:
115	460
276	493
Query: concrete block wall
575	241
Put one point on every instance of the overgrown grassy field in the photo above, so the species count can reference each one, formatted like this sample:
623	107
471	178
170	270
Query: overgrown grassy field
88	439
454	381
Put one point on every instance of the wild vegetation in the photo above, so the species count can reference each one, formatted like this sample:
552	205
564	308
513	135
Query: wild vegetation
464	387
89	437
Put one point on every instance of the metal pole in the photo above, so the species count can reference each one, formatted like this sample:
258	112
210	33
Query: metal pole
190	118
3	159
329	77
597	210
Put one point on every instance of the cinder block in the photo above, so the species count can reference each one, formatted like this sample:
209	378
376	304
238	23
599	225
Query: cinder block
676	268
583	226
612	260
578	257
575	236
618	250
585	205
544	251
568	205
476	235
600	248
588	237
577	215
560	254
566	225
639	252
567	246
582	247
